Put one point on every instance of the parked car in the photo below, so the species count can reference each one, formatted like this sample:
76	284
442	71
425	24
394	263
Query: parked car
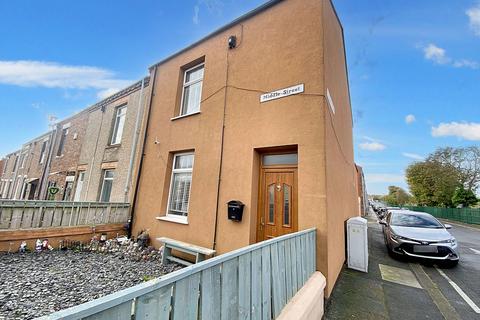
420	235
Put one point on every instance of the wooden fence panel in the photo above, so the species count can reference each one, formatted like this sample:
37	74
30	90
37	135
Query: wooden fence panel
244	286
186	293
256	299
120	312
229	303
266	284
44	214
210	294
154	305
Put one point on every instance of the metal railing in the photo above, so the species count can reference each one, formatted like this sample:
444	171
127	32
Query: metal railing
466	215
254	282
44	214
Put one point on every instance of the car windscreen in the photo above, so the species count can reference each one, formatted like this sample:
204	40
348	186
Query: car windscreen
412	220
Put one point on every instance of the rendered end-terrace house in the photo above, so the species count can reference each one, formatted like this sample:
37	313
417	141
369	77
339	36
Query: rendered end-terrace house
218	131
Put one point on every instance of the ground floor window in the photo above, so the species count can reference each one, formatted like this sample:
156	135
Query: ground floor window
78	189
180	184
107	184
67	193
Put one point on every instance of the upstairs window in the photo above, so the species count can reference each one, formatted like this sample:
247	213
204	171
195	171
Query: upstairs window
24	160
192	90
43	152
180	184
119	124
15	163
61	144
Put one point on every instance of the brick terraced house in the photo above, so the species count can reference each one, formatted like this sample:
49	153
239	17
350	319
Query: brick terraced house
86	157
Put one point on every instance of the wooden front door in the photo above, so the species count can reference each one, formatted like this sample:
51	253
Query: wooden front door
278	203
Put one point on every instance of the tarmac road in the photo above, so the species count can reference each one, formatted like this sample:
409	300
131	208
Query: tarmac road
466	275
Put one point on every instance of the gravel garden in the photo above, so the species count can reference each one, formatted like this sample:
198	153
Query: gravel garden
33	284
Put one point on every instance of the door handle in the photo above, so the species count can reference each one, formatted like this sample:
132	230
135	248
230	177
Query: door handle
262	223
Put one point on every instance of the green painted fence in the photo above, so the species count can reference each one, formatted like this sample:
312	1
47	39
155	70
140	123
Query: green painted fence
466	215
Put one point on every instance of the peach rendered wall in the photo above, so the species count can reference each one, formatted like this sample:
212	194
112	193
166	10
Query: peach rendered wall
274	51
342	202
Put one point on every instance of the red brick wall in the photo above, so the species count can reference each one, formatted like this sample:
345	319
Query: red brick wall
61	165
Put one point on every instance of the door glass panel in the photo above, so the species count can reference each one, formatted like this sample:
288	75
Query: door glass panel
271	203
286	204
272	159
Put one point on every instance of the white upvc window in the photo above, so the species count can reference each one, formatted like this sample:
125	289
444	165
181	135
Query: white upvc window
43	152
120	116
79	187
192	90
61	144
107	185
24	160
180	185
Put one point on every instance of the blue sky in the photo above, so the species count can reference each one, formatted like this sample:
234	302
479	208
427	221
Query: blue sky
415	59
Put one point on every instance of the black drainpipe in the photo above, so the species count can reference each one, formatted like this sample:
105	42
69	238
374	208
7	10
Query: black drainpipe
139	173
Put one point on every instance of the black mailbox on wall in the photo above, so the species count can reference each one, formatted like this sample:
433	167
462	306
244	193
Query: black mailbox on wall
235	210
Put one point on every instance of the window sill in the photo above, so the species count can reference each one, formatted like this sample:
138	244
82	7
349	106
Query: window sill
169	218
184	116
112	146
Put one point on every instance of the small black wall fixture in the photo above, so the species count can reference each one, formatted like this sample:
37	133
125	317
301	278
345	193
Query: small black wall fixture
232	42
235	210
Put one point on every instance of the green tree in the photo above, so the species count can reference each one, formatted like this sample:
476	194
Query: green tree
396	196
463	197
465	160
433	183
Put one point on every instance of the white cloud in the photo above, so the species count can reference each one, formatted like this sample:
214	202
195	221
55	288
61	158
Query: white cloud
196	11
372	146
410	118
413	156
436	54
474	19
439	56
384	178
213	6
464	130
27	73
465	63
107	93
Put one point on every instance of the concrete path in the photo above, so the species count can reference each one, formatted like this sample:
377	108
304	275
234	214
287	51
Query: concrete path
400	288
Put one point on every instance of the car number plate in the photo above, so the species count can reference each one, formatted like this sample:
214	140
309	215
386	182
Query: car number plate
425	249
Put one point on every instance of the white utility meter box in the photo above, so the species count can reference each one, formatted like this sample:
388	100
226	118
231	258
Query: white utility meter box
357	244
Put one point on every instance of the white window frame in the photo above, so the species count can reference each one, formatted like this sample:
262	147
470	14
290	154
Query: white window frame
116	123
171	216
24	160
188	84
62	141
104	177
5	163
79	186
43	152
